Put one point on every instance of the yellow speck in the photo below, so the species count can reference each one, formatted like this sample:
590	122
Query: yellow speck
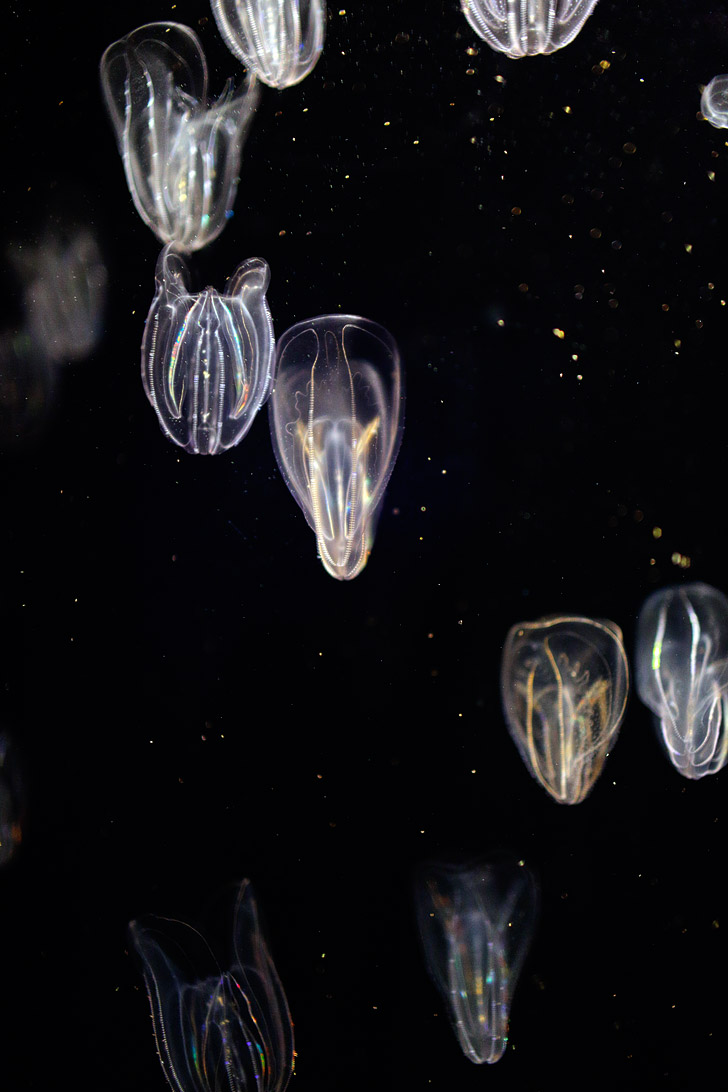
499	79
501	322
681	560
604	65
558	333
688	248
657	532
567	109
386	124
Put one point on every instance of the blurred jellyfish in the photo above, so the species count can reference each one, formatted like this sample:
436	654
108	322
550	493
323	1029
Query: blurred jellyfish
64	293
336	421
207	358
279	40
27	389
564	683
181	152
681	668
476	922
714	102
216	1030
523	28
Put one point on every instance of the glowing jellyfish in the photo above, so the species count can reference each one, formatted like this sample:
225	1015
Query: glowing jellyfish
216	1030
181	151
279	40
476	924
523	28
207	358
564	683
714	102
337	414
681	669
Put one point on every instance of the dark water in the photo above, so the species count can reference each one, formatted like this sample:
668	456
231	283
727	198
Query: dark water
194	700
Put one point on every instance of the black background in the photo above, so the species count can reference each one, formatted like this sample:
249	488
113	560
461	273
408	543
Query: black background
195	700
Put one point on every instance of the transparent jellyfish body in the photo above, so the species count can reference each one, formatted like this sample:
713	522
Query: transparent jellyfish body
181	151
216	1030
207	358
337	413
524	28
564	684
681	669
476	922
279	40
64	293
714	102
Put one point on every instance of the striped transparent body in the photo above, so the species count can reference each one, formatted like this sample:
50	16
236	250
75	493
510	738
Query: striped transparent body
523	28
181	152
564	684
336	421
476	923
681	668
714	102
279	40
229	1031
207	358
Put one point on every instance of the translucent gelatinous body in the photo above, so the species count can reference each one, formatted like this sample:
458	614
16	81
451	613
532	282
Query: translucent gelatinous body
564	682
64	291
476	924
181	152
336	421
714	102
207	358
27	389
681	668
523	28
279	40
229	1031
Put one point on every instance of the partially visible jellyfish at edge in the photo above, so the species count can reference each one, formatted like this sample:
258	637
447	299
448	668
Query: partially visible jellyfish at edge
181	152
279	40
337	415
564	685
681	670
217	1030
207	358
714	102
527	27
476	922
